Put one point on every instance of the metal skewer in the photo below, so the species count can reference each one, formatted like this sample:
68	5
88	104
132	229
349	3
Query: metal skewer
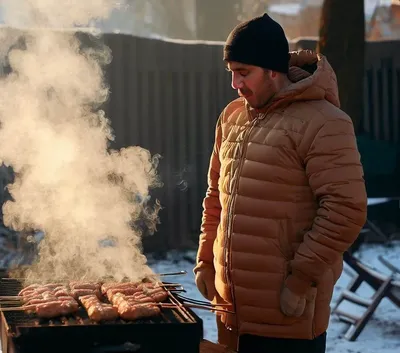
196	306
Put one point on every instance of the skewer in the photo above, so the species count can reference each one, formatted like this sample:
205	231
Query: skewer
15	308
177	290
168	285
180	273
195	306
200	302
165	285
163	305
178	304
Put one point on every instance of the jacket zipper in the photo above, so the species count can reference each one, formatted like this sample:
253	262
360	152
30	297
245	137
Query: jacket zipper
228	243
313	327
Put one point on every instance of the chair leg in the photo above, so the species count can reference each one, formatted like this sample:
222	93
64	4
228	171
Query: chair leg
355	330
355	283
352	287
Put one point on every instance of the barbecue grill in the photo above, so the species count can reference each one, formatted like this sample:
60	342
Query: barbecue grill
177	329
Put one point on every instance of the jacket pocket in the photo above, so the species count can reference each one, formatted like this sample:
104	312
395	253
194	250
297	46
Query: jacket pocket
305	322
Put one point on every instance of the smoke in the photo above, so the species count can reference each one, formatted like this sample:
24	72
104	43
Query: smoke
83	196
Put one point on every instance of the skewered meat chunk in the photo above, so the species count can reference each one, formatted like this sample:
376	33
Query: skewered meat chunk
46	304
76	293
126	291
84	285
144	295
38	291
98	311
151	289
29	288
135	306
159	294
42	299
56	308
36	287
57	292
52	309
118	298
142	298
115	285
62	292
129	311
41	296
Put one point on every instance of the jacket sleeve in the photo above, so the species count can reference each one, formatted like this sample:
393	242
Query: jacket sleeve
335	174
211	207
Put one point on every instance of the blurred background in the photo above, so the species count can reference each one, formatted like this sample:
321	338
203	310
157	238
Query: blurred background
168	86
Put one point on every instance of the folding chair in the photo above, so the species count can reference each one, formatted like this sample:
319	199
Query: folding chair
384	285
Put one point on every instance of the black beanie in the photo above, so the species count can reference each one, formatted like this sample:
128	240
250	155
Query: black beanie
259	42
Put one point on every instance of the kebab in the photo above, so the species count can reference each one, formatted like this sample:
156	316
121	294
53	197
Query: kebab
150	289
48	308
37	287
134	307
130	311
137	302
45	292
127	307
97	310
128	301
53	297
52	309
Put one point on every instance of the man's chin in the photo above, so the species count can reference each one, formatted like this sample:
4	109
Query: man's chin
251	103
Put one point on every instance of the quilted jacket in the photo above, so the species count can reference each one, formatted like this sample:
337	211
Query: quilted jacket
286	197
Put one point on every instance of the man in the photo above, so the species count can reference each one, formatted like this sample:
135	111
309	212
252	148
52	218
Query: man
286	196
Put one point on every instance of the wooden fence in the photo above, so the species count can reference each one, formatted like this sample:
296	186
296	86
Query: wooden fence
167	96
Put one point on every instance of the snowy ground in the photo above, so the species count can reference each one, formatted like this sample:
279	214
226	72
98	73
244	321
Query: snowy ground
382	333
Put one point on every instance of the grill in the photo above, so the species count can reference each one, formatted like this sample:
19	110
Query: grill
177	329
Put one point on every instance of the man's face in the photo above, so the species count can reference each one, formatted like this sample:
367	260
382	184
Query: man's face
253	83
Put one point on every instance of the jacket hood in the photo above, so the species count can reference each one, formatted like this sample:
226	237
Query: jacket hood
312	78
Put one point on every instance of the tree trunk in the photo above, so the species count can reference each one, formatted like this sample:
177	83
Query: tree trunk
342	41
215	19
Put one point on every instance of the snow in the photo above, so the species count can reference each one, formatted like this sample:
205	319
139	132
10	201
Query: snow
378	200
382	333
291	9
295	7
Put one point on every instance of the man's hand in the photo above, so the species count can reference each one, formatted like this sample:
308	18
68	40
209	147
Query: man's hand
205	282
292	304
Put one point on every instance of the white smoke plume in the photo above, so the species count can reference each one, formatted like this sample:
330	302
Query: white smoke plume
54	135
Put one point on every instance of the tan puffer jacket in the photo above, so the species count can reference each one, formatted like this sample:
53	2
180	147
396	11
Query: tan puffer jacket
286	198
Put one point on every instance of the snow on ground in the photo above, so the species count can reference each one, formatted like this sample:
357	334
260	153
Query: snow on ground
382	333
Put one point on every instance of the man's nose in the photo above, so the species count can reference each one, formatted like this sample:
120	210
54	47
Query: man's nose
237	82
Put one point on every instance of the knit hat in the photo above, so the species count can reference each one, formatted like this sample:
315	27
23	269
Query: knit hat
259	42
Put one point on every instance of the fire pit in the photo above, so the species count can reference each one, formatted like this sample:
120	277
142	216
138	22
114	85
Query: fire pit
177	329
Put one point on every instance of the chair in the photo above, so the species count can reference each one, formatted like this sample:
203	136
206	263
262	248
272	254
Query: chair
384	285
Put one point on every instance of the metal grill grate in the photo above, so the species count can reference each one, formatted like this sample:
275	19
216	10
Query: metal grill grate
9	287
31	334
